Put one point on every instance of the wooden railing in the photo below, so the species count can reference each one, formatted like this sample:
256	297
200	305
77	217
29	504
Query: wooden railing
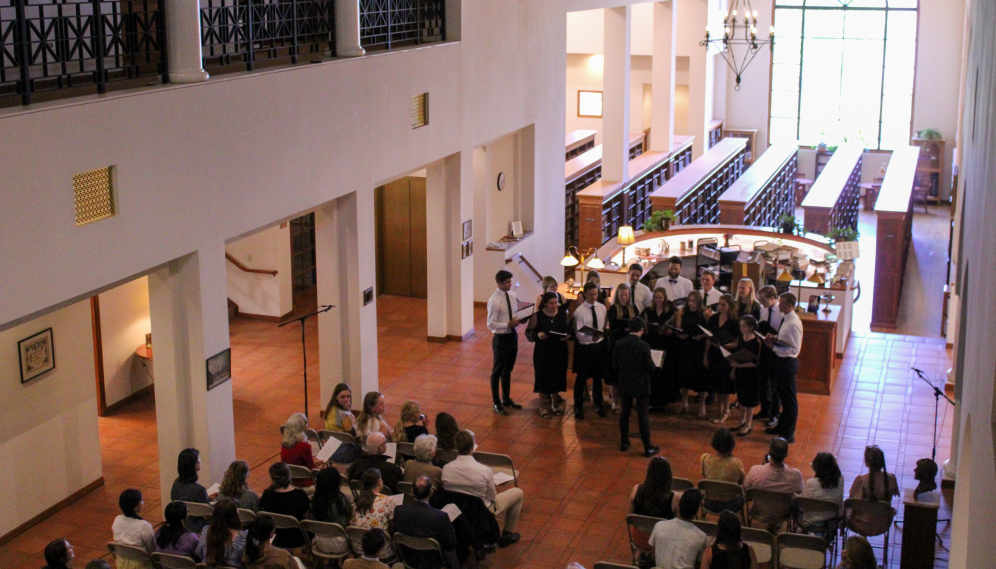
693	193
894	210
765	191
578	142
832	203
605	206
246	269
583	171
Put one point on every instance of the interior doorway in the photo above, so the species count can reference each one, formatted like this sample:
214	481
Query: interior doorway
303	272
401	238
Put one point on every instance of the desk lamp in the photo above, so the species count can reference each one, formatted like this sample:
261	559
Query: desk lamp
625	238
572	261
816	278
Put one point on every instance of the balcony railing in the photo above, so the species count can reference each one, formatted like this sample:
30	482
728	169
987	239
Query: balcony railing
239	35
386	24
58	48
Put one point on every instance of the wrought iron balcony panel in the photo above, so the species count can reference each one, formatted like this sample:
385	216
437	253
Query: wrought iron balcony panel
387	24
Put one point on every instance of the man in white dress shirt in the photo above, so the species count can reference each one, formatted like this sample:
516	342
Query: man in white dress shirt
768	322
505	343
468	476
589	351
677	286
710	294
640	294
785	365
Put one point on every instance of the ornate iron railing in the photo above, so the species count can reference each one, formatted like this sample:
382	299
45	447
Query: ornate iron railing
386	24
62	48
240	35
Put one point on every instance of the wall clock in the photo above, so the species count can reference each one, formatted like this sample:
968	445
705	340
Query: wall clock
501	181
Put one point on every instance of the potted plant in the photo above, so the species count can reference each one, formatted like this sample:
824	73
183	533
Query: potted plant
787	223
659	220
843	235
929	134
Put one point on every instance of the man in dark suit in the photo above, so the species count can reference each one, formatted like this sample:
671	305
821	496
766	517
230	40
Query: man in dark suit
632	361
374	457
422	520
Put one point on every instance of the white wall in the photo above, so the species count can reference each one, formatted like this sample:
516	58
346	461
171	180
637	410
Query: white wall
256	293
584	75
124	322
49	440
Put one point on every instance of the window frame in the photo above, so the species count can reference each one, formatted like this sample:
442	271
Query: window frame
602	100
886	10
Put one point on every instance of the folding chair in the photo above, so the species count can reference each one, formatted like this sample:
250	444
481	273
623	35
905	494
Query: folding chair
769	508
199	510
326	530
498	463
402	542
312	436
826	529
446	456
356	487
130	553
721	491
763	544
355	535
405	452
635	526
300	473
281	521
681	484
246	516
880	511
169	561
708	528
800	551
325	435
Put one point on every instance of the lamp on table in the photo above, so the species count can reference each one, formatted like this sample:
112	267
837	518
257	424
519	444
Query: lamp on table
625	238
572	261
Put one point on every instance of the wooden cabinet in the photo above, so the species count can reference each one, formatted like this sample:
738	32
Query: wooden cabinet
833	200
930	166
693	194
817	354
765	191
894	234
752	152
715	133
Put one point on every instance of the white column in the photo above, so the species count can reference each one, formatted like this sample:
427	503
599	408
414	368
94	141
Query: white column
346	266
347	29
183	28
662	77
694	16
446	303
189	313
615	95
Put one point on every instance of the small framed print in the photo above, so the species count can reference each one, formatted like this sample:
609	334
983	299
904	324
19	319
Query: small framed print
516	228
814	304
36	354
468	229
219	368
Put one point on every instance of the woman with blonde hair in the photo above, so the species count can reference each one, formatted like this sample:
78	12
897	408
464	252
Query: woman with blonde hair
411	424
295	448
746	301
235	485
550	284
372	416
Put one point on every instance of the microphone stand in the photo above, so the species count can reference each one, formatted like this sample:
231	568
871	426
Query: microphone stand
937	400
304	350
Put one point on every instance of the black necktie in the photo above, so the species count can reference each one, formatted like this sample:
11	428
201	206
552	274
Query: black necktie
769	316
594	318
674	281
508	301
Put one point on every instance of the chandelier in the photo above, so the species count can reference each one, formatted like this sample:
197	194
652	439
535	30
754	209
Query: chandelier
740	37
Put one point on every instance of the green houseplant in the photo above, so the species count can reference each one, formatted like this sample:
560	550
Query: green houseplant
660	220
930	134
843	235
791	225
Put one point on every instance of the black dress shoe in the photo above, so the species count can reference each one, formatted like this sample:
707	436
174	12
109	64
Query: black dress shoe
762	416
483	552
624	446
508	538
651	451
600	410
773	431
579	414
772	423
500	410
511	404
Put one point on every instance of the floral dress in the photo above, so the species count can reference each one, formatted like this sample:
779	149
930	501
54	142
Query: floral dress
378	516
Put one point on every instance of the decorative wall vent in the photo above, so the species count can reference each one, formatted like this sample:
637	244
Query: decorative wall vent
420	110
94	195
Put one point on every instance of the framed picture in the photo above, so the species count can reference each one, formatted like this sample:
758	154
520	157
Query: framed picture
36	354
590	104
468	229
516	228
219	368
814	304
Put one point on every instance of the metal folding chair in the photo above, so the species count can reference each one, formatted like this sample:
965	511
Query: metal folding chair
721	491
800	551
169	561
329	530
769	508
402	542
498	463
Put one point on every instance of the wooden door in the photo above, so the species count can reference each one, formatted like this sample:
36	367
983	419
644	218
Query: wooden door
401	238
303	271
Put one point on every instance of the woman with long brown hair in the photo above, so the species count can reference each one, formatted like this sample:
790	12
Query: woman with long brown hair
235	485
691	345
372	416
224	541
725	327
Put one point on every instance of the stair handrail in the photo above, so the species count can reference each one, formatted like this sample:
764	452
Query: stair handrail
246	269
522	259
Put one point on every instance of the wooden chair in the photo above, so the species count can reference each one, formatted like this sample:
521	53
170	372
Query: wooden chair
298	473
329	530
769	508
721	491
763	543
800	551
681	484
802	506
281	521
645	525
169	561
498	463
402	542
130	553
920	197
246	516
880	510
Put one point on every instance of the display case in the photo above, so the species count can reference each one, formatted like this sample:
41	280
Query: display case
930	166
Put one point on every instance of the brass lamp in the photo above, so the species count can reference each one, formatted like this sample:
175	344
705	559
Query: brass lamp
572	261
625	238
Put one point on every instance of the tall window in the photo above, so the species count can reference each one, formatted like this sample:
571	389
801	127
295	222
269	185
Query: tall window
843	69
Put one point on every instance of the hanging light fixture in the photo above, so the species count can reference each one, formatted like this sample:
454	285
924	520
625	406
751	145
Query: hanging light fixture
739	37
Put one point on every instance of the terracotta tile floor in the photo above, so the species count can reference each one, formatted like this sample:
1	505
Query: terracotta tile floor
575	480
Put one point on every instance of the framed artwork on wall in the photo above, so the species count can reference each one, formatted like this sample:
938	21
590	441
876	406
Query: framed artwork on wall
468	229
36	354
219	368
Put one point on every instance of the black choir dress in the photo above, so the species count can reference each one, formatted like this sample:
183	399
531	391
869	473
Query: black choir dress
664	380
692	372
550	354
617	324
748	381
719	369
754	309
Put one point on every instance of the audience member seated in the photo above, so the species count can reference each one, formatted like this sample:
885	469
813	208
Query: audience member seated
371	418
339	413
282	498
876	486
223	542
446	430
186	488
422	520
373	510
653	498
330	504
235	485
411	424
775	475
828	484
468	476
59	555
260	554
173	537
857	554
375	458
295	448
475	528
421	465
130	529
677	542
728	551
723	466
374	541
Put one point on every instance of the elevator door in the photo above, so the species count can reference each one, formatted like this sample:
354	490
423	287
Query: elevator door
401	238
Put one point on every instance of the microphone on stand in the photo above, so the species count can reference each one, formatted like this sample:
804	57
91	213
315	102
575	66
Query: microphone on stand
920	371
